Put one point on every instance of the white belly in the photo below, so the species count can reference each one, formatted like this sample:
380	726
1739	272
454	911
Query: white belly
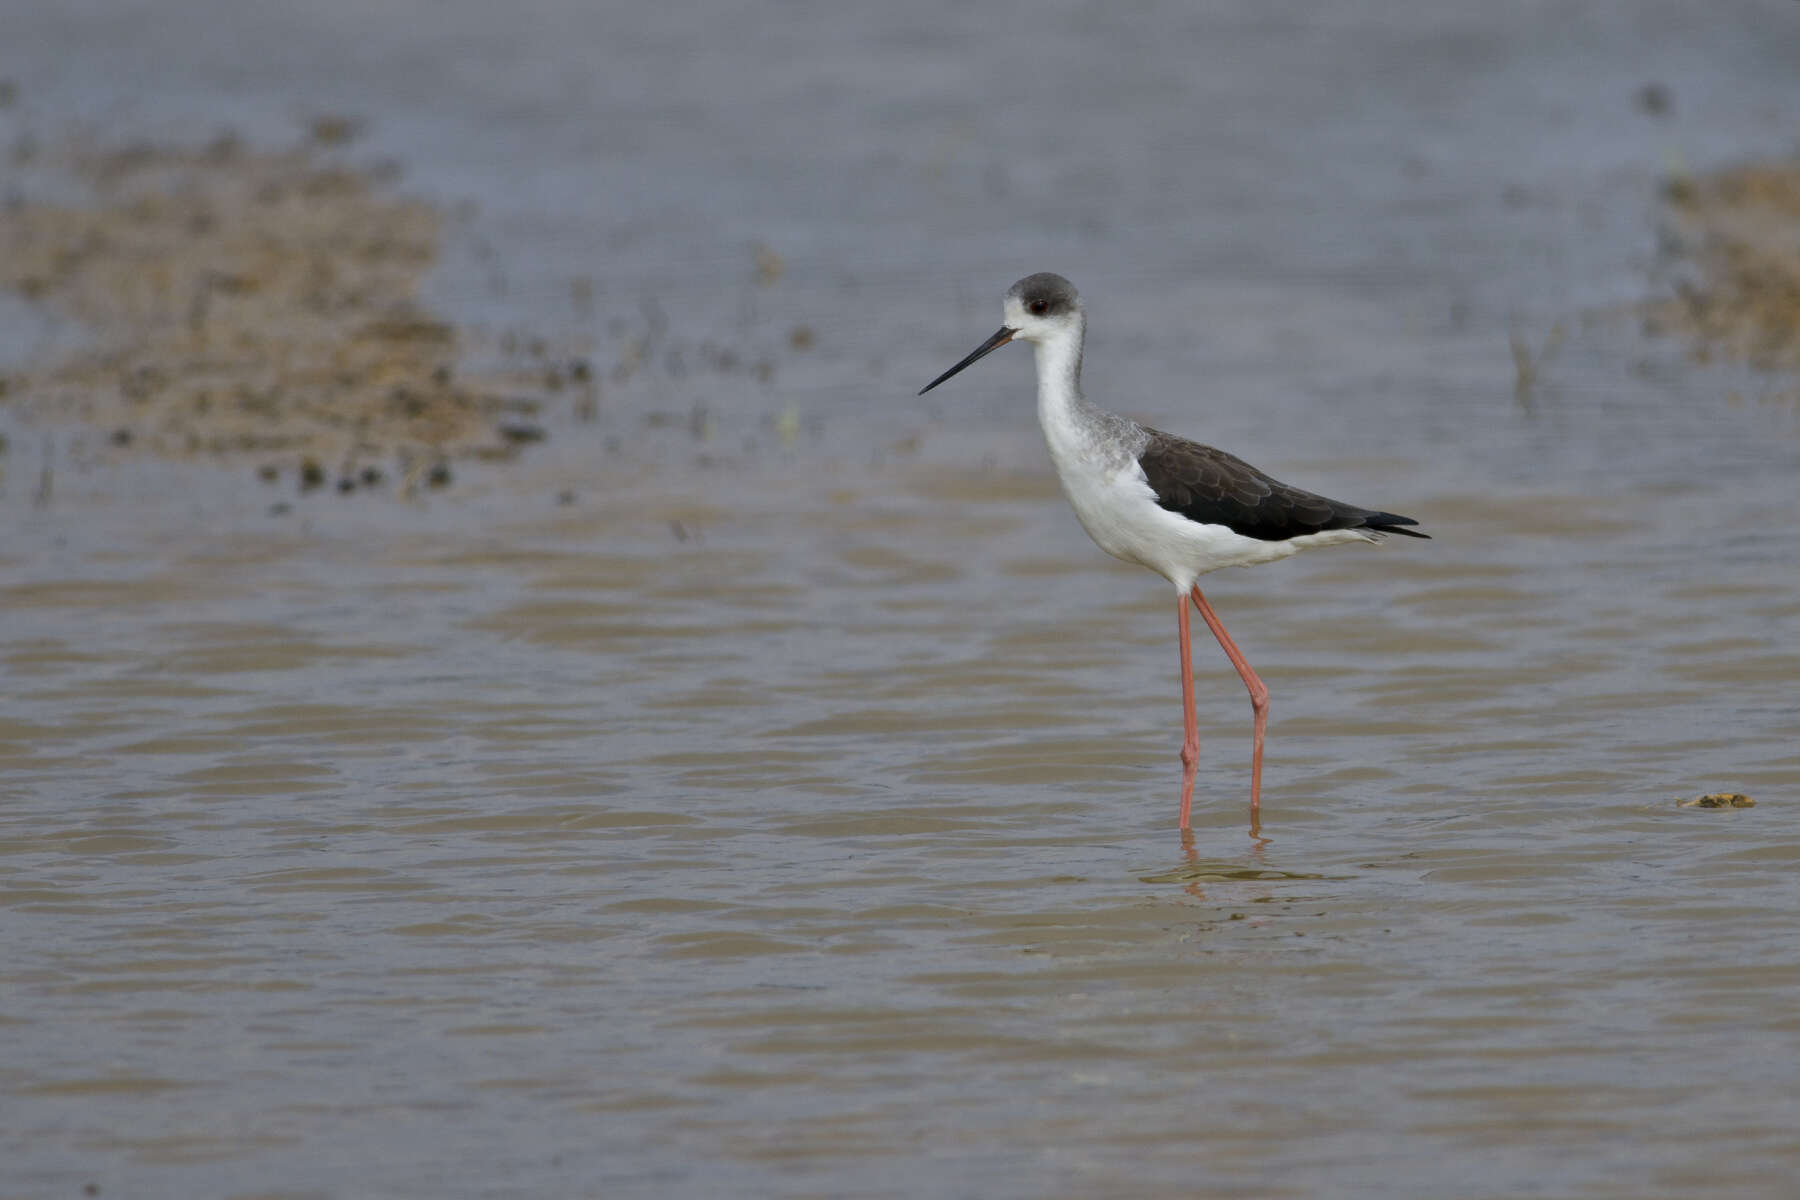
1119	511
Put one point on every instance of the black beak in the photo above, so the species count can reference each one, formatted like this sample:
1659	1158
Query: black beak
986	348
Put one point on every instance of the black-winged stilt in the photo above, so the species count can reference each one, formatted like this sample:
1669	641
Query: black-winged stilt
1178	507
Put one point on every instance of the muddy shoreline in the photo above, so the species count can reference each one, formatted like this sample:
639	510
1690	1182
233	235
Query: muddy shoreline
1735	235
262	306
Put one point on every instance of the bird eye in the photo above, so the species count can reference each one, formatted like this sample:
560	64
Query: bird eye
1039	307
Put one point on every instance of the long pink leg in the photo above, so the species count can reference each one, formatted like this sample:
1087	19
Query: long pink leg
1190	741
1259	695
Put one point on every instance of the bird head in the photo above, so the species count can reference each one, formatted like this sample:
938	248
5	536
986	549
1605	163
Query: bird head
1037	309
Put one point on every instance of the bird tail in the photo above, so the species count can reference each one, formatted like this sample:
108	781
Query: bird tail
1391	523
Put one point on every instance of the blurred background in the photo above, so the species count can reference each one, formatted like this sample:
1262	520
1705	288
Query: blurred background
506	687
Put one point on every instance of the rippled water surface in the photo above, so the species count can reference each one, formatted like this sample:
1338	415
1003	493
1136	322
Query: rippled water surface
788	809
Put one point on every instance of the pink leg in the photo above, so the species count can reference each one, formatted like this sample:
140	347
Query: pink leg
1190	739
1259	695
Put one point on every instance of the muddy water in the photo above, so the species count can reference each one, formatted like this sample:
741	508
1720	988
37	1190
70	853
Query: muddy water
730	808
837	839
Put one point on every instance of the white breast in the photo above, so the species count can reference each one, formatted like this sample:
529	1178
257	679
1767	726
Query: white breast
1114	502
1096	457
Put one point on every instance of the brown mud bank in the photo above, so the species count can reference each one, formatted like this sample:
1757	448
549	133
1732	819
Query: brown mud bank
1739	229
262	306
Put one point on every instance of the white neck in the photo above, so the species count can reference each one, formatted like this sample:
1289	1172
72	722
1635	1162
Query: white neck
1059	378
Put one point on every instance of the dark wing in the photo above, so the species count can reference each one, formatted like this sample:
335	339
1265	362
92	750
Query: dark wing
1216	488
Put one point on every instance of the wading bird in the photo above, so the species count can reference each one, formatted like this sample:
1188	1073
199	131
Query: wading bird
1178	507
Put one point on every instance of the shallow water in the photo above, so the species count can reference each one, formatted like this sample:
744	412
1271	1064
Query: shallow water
792	814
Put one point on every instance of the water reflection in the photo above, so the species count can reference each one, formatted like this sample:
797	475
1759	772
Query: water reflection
1252	866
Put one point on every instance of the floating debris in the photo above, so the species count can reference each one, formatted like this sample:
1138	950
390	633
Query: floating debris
1526	364
520	433
787	424
1717	800
1655	99
769	265
335	131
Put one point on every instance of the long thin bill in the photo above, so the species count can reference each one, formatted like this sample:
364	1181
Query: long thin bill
986	348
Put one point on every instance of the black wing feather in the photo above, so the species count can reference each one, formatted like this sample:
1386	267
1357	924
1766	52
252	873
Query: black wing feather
1216	488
